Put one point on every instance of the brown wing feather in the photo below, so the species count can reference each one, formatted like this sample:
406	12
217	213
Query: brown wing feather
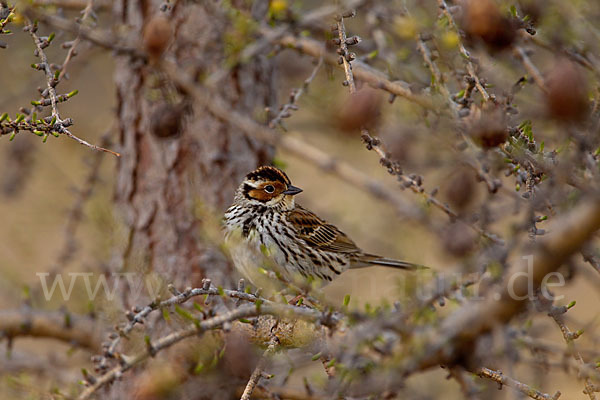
320	234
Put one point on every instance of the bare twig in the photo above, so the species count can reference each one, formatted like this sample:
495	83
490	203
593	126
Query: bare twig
45	66
87	11
72	4
286	109
571	54
473	161
590	258
439	79
259	370
502	379
58	124
345	56
530	67
360	71
465	53
102	39
464	380
557	315
179	298
74	329
76	212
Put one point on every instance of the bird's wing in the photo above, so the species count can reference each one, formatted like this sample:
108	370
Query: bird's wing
320	234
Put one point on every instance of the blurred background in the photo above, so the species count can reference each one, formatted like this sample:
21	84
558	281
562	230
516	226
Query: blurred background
41	184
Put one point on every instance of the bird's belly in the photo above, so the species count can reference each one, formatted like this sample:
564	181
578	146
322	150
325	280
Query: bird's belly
259	252
254	259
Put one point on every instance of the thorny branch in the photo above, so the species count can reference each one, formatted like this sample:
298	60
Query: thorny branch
259	307
557	315
53	124
413	182
138	316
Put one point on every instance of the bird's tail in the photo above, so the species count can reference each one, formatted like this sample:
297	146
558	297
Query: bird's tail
369	260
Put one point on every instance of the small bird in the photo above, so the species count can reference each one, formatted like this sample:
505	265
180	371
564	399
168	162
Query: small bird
266	230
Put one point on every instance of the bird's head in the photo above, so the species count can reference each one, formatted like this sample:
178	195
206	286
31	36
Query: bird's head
267	186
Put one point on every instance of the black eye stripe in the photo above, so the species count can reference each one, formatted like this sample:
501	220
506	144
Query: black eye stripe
248	188
246	192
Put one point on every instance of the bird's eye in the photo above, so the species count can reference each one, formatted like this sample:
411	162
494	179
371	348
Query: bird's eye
269	189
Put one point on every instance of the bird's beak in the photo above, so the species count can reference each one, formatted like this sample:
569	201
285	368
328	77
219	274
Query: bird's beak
292	190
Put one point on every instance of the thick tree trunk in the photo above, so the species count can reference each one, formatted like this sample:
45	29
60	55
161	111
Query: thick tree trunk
165	176
178	159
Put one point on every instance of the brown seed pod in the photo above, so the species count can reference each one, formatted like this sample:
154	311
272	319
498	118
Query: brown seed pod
483	20
361	109
566	96
459	188
533	9
487	127
458	239
157	36
167	119
241	355
399	144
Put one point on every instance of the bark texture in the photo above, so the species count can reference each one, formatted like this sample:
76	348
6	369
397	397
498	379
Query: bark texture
177	158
